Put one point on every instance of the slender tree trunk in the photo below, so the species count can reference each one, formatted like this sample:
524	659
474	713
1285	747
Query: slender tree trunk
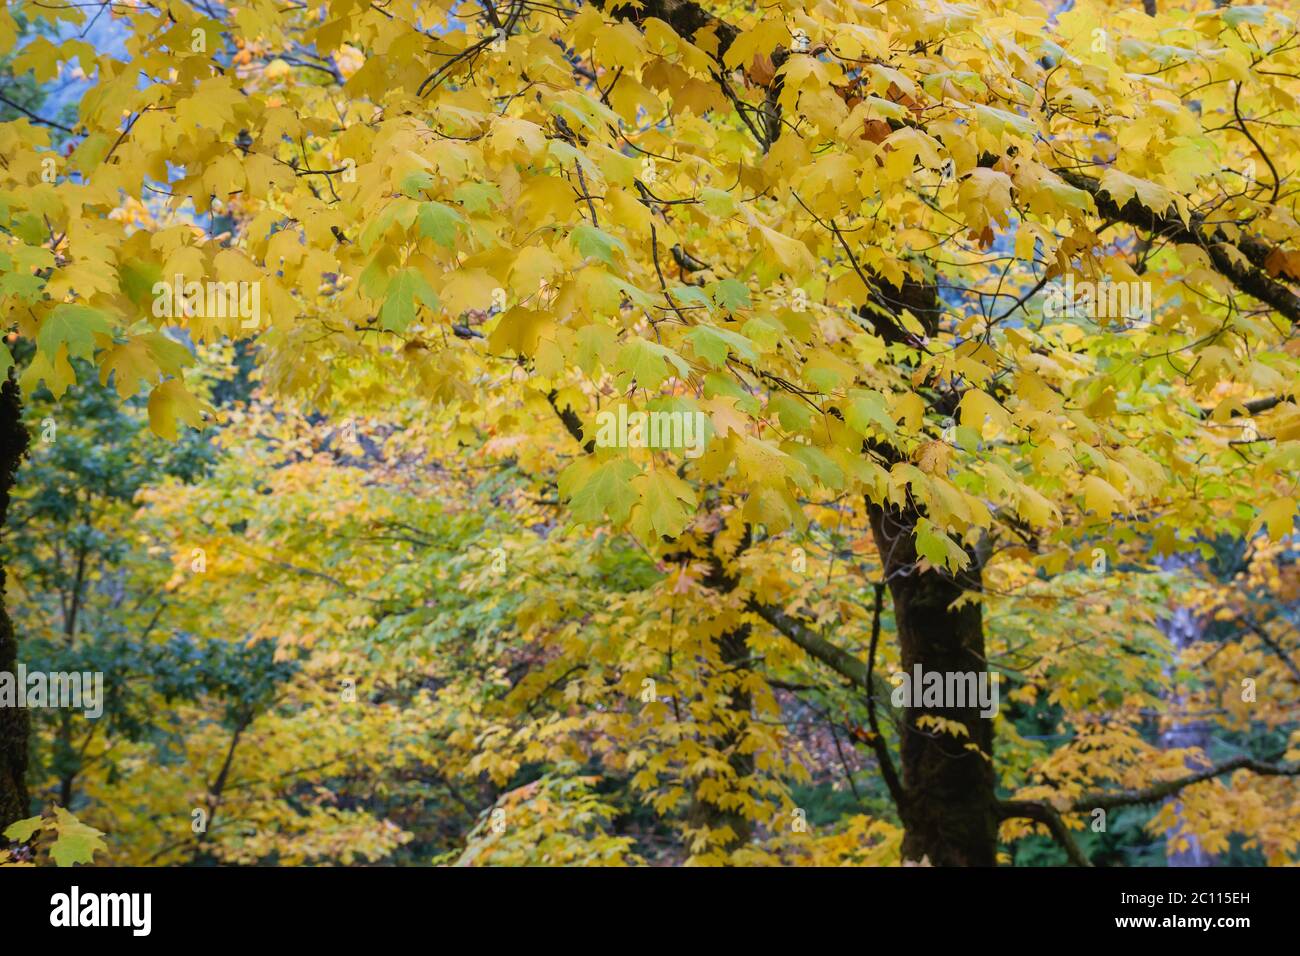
13	720
733	650
949	809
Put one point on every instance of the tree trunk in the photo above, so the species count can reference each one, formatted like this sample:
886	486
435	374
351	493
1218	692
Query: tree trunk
733	650
13	720
949	809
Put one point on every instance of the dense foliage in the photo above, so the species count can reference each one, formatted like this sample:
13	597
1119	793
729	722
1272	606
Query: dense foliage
975	323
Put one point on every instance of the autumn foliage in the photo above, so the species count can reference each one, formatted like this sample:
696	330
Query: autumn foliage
368	586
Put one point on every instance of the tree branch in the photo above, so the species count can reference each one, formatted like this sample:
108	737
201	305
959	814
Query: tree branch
35	118
572	423
1159	791
1252	407
846	665
1275	647
686	17
1049	817
877	740
1252	281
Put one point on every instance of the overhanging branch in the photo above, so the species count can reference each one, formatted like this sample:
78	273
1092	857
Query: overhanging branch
1160	791
1249	278
1048	816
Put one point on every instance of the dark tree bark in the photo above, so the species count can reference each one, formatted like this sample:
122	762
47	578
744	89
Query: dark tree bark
733	650
13	720
949	803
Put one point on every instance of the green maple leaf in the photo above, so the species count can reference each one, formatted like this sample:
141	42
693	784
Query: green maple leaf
439	223
416	182
866	409
76	842
644	362
398	311
74	324
137	278
1255	14
22	830
401	212
713	345
477	197
689	295
26	287
717	202
607	492
664	498
597	243
596	343
937	548
730	294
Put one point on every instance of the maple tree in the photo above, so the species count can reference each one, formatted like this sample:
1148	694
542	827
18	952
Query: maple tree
832	230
